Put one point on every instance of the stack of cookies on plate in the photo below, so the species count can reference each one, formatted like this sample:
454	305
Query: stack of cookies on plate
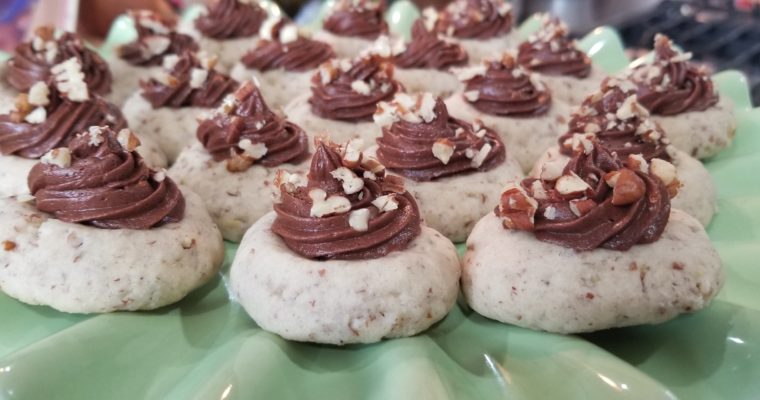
348	161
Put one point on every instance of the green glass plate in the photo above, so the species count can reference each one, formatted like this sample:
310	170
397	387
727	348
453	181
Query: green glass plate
206	347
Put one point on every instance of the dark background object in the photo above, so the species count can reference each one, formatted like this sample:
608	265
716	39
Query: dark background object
581	16
724	34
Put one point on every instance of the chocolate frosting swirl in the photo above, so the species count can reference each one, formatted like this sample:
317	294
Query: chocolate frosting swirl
32	61
599	114
150	28
176	88
229	19
357	18
302	54
551	52
349	91
671	85
593	218
332	236
427	50
106	186
504	88
250	118
64	119
475	19
408	147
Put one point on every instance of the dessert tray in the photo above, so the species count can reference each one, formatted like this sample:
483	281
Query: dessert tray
207	347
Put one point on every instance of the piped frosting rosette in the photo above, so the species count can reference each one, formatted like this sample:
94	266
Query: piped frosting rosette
244	131
351	25
347	207
593	200
239	148
229	19
33	61
562	65
187	80
502	87
683	99
422	142
514	102
100	180
622	125
455	169
483	27
349	90
550	51
357	18
343	97
155	40
423	64
51	112
671	84
283	61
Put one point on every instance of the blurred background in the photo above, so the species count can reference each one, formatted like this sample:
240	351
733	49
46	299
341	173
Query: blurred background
721	33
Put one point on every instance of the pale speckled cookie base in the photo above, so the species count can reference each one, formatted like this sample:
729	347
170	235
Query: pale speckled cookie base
697	195
229	51
7	100
478	50
511	277
572	90
172	129
279	86
299	113
14	169
7	92
701	134
344	46
234	200
344	301
525	138
452	205
127	79
80	269
418	80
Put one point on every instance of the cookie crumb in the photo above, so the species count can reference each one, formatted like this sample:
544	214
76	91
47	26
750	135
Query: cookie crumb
188	243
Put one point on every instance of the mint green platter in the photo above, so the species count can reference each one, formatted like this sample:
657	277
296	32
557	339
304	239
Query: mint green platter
206	347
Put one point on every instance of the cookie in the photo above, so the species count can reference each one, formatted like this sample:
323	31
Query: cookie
104	232
81	269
